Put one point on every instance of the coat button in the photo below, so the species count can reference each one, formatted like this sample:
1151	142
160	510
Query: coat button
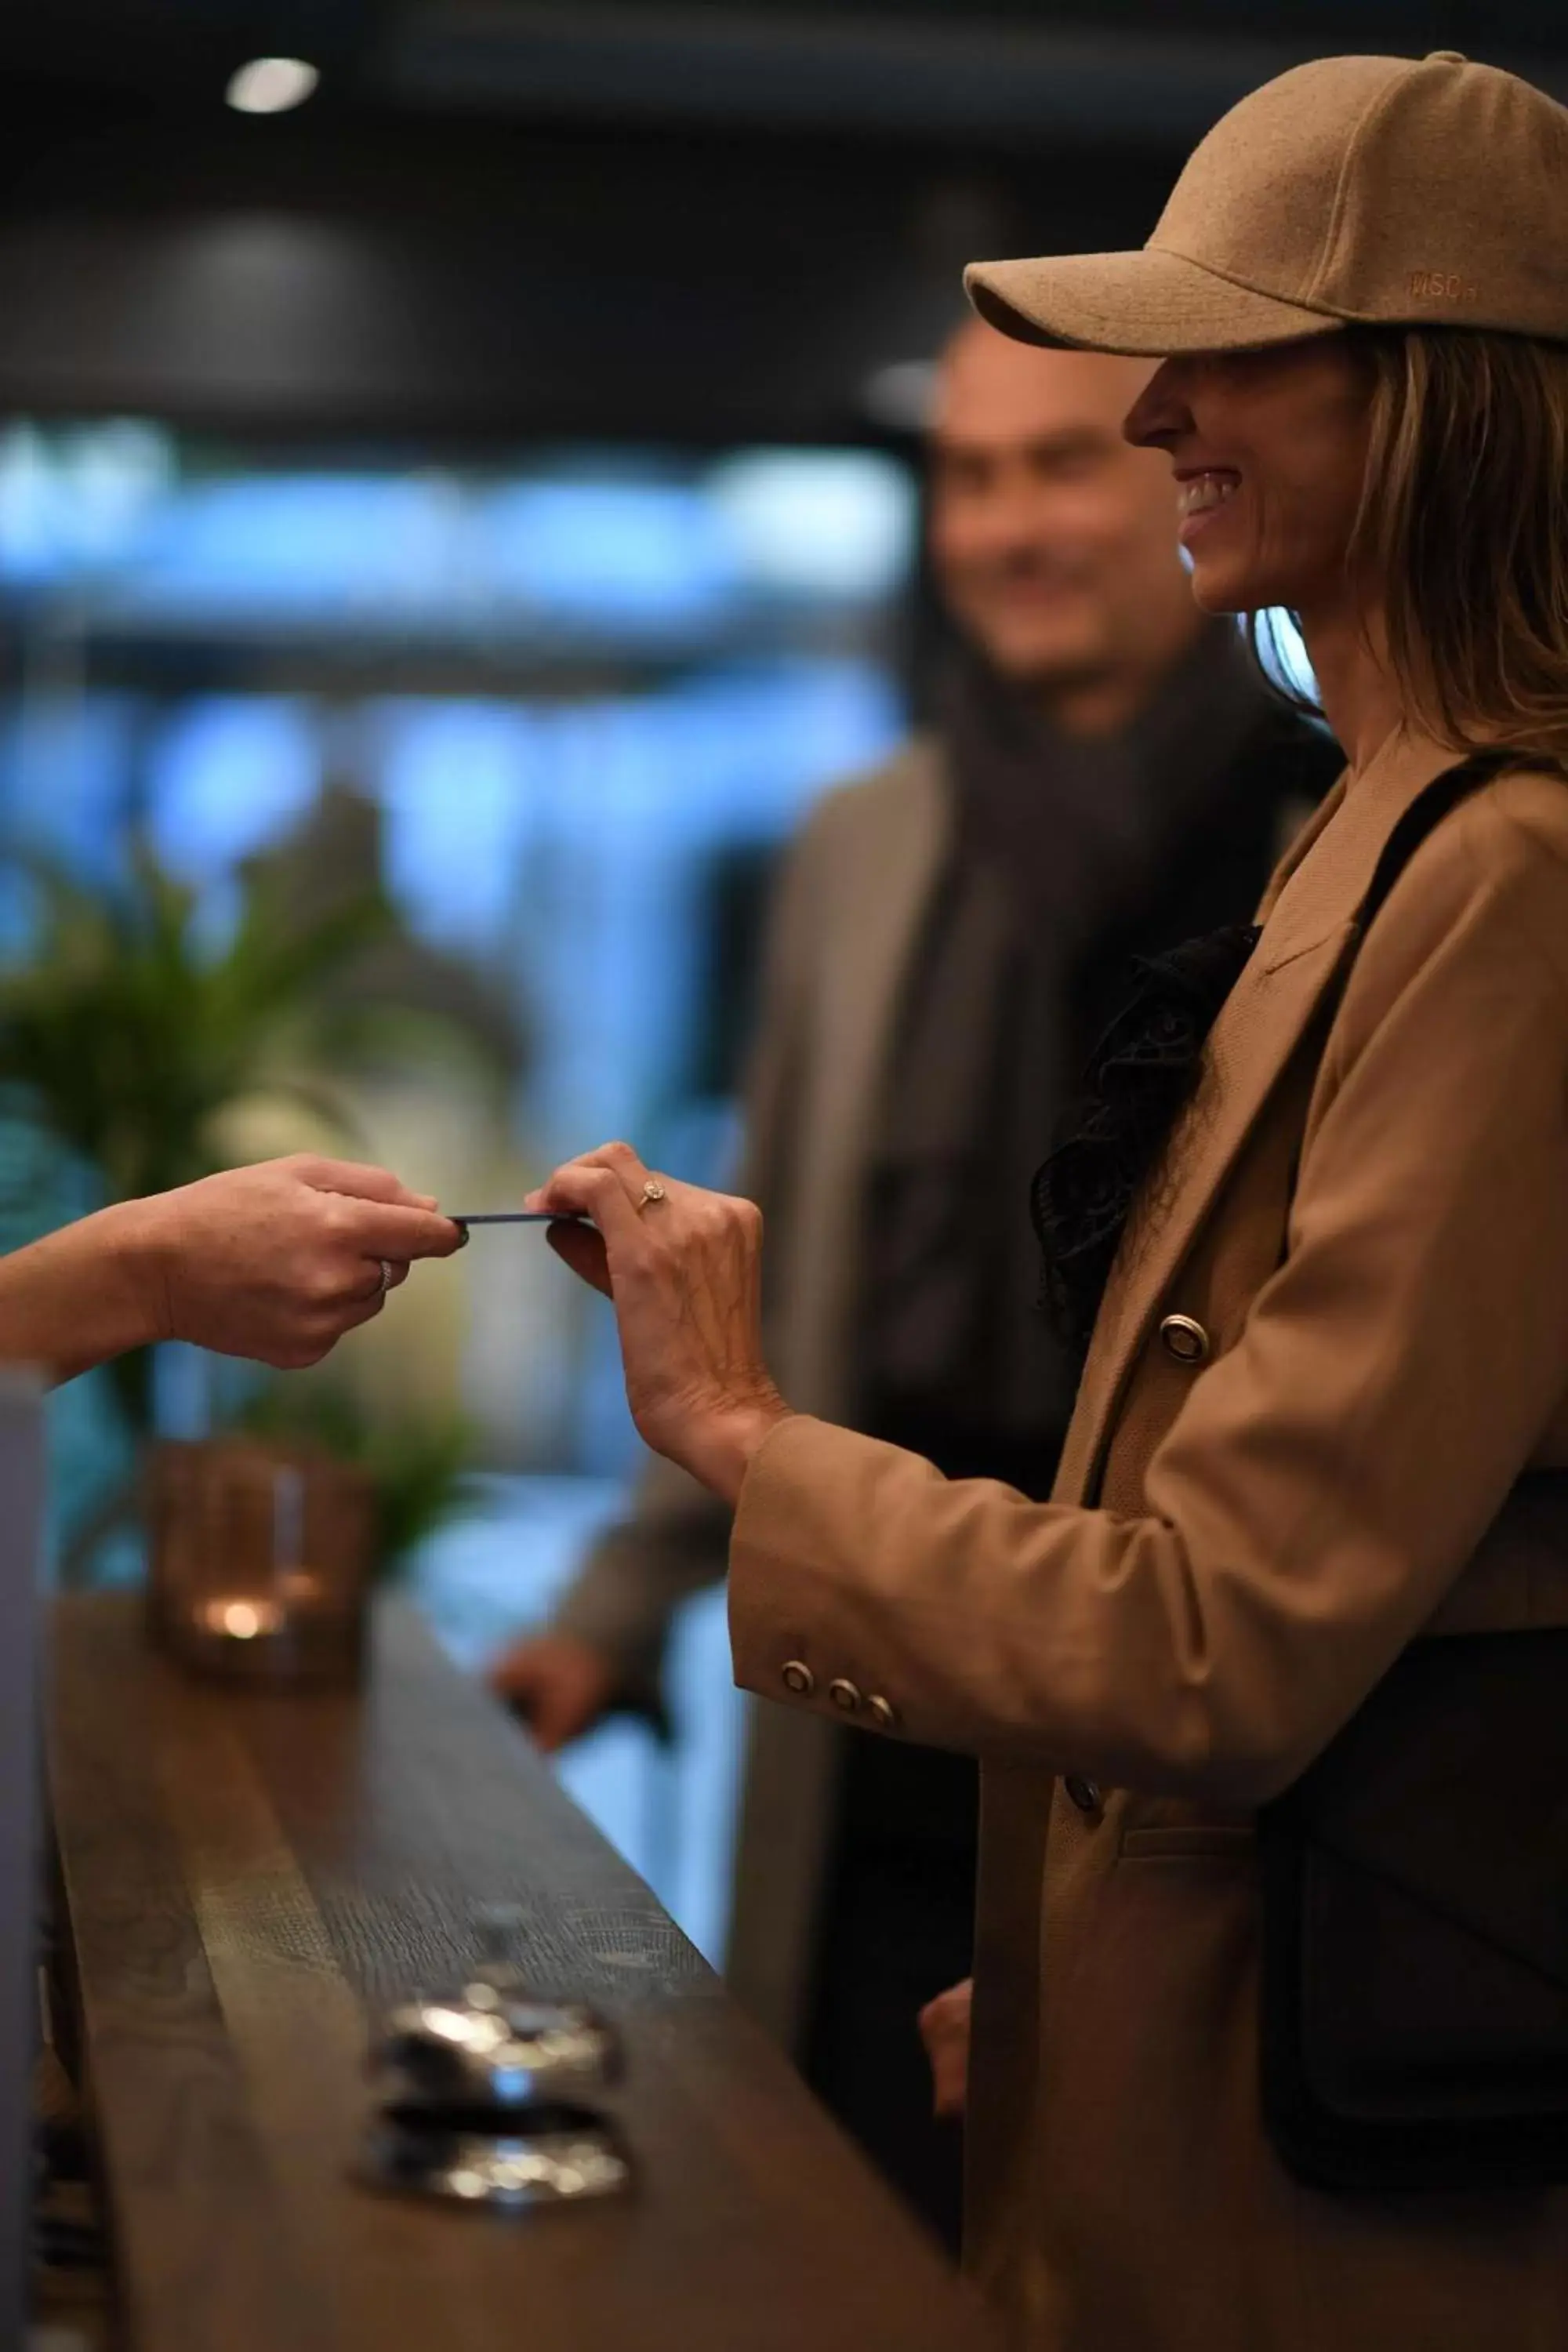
1084	1792
1181	1337
799	1678
845	1696
882	1712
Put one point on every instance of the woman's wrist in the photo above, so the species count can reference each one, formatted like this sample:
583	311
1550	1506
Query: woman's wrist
133	1241
720	1445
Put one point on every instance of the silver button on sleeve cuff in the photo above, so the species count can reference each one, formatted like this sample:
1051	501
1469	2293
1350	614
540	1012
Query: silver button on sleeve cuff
799	1678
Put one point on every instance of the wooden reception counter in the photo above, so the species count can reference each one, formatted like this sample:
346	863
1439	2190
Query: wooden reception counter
250	1878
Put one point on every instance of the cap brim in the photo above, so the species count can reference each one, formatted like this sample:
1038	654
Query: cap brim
1148	304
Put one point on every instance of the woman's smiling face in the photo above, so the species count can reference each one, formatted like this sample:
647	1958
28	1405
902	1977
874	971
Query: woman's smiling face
1270	453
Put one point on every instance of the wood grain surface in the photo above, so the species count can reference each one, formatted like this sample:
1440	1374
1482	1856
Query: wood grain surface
249	1877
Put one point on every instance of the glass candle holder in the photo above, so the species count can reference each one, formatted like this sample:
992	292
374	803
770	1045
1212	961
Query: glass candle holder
261	1560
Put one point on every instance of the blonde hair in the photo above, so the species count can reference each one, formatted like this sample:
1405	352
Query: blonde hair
1463	524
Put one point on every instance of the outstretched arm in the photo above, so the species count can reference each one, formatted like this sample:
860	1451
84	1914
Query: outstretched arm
275	1262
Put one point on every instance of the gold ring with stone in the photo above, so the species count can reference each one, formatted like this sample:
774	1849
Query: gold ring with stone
652	1191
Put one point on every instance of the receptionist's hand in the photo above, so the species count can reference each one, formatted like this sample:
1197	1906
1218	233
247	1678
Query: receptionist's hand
277	1261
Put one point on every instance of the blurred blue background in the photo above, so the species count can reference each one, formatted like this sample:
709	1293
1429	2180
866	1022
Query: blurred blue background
577	701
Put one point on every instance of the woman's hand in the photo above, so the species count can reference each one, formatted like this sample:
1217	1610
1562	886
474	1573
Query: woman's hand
683	1269
945	2030
277	1261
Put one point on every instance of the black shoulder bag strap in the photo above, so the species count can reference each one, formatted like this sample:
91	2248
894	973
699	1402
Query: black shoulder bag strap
1425	814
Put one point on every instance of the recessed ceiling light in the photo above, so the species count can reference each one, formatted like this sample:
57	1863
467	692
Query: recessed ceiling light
271	84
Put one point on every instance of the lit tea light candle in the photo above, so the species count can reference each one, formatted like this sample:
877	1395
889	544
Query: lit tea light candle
241	1621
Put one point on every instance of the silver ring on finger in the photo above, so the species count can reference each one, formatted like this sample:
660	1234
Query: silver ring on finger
653	1192
387	1275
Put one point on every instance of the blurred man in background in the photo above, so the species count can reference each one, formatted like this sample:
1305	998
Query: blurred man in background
1107	775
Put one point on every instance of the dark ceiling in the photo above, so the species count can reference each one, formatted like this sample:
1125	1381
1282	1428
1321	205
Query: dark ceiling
542	217
924	67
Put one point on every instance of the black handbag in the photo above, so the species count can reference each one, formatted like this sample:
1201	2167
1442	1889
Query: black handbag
1414	1982
1414	2013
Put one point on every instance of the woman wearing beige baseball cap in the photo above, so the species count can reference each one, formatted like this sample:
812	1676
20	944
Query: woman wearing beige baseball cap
1270	2042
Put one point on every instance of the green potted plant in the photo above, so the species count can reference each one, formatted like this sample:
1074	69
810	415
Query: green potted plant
131	1038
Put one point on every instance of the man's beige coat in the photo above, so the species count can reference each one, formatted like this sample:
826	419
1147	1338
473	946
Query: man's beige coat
1374	1231
847	919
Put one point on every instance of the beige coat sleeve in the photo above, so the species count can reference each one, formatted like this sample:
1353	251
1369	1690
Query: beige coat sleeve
1327	1477
675	1540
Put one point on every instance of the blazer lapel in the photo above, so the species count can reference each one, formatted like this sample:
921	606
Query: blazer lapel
1310	911
1322	816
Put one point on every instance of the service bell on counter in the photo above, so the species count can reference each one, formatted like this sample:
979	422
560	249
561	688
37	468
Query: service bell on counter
490	2094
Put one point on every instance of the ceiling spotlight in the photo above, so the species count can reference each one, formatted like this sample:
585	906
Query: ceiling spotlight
271	84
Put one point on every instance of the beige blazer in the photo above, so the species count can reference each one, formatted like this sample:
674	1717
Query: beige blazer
846	919
1388	1321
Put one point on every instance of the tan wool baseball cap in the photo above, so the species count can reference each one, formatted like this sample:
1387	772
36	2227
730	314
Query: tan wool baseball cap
1380	191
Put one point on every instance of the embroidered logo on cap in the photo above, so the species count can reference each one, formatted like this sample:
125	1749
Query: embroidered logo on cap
1449	285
